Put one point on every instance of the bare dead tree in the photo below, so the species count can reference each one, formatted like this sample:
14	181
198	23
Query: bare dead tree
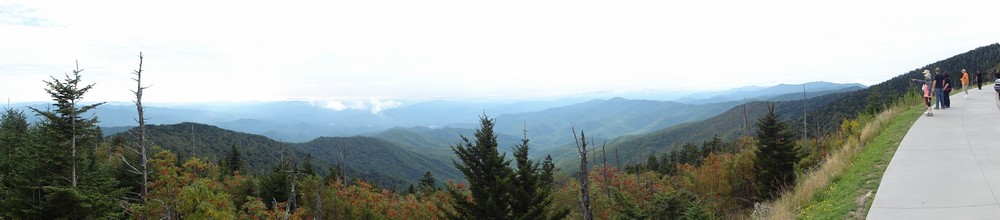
140	151
604	170
193	154
581	148
618	162
746	118
805	125
319	201
343	163
294	170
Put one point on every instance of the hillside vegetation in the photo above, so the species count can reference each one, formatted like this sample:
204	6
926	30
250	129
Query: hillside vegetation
375	160
824	114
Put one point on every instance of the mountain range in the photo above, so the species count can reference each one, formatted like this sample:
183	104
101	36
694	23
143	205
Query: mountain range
372	159
301	121
395	146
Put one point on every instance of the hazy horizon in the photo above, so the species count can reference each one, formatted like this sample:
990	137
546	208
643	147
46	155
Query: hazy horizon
603	94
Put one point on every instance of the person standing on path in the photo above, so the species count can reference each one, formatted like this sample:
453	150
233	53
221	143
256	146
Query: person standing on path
948	85
925	91
965	84
979	79
938	86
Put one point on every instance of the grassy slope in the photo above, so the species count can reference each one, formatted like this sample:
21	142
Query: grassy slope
851	194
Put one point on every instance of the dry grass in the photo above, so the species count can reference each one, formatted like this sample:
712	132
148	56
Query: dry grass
788	205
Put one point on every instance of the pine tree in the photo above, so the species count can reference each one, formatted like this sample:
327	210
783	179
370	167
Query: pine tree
489	175
14	134
13	131
533	186
499	191
308	168
428	183
411	190
64	180
233	160
69	126
776	155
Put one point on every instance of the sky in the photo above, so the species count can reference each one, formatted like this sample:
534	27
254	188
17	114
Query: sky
380	52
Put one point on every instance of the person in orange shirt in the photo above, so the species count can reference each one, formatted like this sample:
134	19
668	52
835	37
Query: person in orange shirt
965	83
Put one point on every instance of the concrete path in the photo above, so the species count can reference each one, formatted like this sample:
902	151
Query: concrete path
947	166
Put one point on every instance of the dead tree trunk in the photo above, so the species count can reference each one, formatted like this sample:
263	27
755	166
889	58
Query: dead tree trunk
142	131
291	198
746	118
805	116
604	170
581	148
319	202
343	163
193	153
140	151
618	162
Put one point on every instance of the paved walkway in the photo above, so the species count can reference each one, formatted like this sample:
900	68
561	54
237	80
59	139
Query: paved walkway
947	166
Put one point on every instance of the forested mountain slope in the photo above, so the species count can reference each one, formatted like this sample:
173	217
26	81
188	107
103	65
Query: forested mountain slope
378	160
727	125
438	141
368	158
604	119
212	143
825	113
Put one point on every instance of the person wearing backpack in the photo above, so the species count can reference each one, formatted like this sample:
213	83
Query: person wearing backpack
925	91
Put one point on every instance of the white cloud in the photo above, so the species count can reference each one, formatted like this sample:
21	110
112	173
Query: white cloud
333	105
379	105
375	106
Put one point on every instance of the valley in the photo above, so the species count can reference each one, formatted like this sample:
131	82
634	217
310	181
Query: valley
395	155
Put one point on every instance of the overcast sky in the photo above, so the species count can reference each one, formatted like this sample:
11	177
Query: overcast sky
210	51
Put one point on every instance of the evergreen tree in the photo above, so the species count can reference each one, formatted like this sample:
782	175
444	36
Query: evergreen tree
776	155
428	183
411	190
233	160
14	134
690	154
713	145
489	175
61	179
275	186
499	191
307	165
72	131
652	164
532	186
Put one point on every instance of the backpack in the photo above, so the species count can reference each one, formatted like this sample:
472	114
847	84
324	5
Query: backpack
997	85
